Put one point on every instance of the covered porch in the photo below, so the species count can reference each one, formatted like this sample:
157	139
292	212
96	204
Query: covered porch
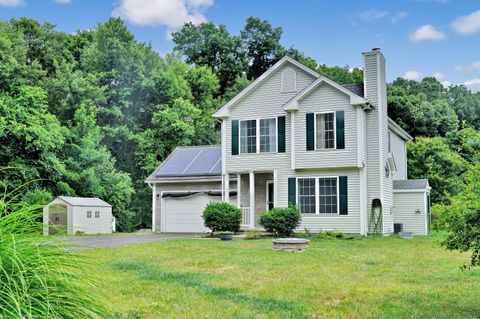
256	193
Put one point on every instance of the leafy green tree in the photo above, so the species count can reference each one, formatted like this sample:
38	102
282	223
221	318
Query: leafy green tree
262	42
209	45
30	139
433	159
462	217
91	171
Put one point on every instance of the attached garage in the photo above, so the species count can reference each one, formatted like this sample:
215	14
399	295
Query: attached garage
183	185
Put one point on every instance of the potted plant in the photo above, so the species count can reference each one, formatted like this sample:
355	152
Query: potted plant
225	235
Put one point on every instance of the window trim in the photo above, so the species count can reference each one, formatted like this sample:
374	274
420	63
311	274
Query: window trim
257	137
97	213
89	214
334	130
317	196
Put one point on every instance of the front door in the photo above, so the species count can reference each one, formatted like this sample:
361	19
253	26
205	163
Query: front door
269	195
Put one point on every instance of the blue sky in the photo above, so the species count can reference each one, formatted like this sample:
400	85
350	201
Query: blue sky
418	37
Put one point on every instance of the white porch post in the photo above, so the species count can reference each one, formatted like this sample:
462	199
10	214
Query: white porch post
252	199
275	187
154	208
227	188
239	194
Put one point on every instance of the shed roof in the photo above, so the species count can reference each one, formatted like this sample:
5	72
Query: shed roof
84	201
411	184
188	161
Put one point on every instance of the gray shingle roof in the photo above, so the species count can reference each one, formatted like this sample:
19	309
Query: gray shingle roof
188	161
355	88
85	201
411	184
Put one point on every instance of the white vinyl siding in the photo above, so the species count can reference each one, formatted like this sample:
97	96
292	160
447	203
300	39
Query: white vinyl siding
410	211
326	99
399	151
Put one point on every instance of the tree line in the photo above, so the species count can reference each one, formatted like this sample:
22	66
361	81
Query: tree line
94	112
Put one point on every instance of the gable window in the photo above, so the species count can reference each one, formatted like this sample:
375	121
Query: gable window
258	136
89	214
306	195
97	214
325	130
268	135
248	136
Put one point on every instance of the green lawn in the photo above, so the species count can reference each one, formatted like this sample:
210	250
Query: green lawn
360	278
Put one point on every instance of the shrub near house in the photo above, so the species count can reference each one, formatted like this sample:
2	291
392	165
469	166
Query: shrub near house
281	221
220	216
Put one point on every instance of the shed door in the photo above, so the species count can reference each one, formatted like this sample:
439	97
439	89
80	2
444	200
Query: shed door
184	214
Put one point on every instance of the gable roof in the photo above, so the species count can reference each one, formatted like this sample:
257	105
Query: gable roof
84	201
188	161
411	184
224	112
397	129
354	98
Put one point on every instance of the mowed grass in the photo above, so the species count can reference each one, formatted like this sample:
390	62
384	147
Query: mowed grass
360	278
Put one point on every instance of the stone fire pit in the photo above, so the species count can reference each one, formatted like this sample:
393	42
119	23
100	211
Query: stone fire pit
291	244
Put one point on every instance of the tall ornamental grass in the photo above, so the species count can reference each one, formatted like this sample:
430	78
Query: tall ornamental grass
39	277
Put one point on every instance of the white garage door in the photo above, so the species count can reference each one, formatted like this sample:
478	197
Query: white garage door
184	214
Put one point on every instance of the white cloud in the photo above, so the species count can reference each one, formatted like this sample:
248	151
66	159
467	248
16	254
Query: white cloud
170	13
63	1
371	15
442	79
439	76
427	32
473	84
10	3
399	16
468	24
475	66
412	75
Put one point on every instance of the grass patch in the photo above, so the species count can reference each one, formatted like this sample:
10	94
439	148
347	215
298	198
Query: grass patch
361	278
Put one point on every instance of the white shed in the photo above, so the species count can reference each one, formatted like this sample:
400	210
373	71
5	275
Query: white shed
71	215
411	200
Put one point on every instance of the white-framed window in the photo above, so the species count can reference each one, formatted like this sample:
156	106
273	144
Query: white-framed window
268	135
248	136
325	134
328	195
318	195
97	214
258	136
89	214
306	195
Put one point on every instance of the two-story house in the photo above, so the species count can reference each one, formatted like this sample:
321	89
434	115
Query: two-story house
296	137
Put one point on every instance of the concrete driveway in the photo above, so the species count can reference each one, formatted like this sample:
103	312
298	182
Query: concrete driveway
104	241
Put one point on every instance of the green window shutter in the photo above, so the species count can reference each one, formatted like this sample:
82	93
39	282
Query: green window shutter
343	191
281	134
292	191
310	132
340	118
234	137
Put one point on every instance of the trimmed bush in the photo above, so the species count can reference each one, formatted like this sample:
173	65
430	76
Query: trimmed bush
281	221
220	216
